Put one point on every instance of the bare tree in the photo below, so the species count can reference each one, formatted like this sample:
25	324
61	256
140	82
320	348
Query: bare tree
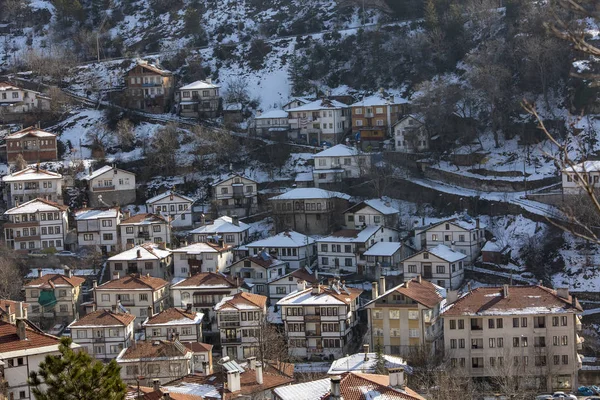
11	279
163	153
237	91
99	138
125	133
20	162
271	342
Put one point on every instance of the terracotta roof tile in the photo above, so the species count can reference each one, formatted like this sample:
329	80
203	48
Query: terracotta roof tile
9	340
359	386
520	300
243	299
208	279
266	262
154	349
159	395
104	318
197	347
52	280
423	292
150	218
13	305
170	314
134	281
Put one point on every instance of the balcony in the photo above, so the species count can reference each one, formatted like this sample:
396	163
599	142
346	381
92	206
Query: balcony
312	318
231	340
229	324
103	188
128	302
99	339
313	333
143	235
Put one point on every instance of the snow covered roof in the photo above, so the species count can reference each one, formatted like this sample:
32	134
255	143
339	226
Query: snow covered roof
147	251
377	204
30	174
229	176
96	213
328	295
418	289
151	67
200	85
321	104
313	390
310	193
586	166
339	150
174	316
379	99
351	235
36	205
199	248
241	301
205	391
272	114
304	177
492	246
446	253
101	171
167	194
222	224
33	131
57	271
464	222
357	363
283	239
385	249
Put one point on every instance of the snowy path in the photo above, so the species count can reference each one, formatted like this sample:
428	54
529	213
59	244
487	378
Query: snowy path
591	311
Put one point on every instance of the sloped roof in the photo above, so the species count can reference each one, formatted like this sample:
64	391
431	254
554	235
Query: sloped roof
310	193
96	213
321	104
160	395
31	131
420	290
103	170
198	347
263	259
384	249
30	174
585	166
241	301
53	280
167	194
441	251
379	99
312	390
144	218
154	349
103	318
13	305
35	205
222	224
520	300
357	363
377	204
9	340
134	281
466	224
359	386
301	274
174	314
199	248
327	296
272	114
339	150
207	280
230	175
147	251
153	68
200	85
351	235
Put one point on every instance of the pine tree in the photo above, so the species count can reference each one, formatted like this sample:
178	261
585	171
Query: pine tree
380	365
432	22
75	375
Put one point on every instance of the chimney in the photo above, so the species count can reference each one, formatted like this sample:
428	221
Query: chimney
469	287
115	308
419	278
251	362
396	377
452	246
573	301
208	80
68	271
235	220
188	307
233	381
126	214
336	391
562	292
477	225
162	245
259	373
382	284
316	288
366	351
21	331
39	272
85	204
505	291
115	275
301	285
150	313
8	312
451	296
139	253
166	395
374	291
237	281
156	384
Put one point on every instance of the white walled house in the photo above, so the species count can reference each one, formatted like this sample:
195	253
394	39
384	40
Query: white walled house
98	228
17	100
386	257
36	225
114	185
31	183
201	257
573	178
410	135
202	357
281	286
464	235
320	121
257	270
294	248
142	228
176	206
272	123
147	258
229	230
296	102
440	265
235	195
339	162
372	212
200	99
174	323
103	333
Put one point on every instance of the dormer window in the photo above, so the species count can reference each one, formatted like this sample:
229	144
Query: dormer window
426	256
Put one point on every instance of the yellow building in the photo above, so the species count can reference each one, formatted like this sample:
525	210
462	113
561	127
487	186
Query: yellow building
406	316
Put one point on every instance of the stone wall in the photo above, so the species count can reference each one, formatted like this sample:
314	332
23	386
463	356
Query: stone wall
121	197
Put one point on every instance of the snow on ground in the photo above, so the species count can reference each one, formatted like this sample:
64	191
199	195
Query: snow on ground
582	262
261	229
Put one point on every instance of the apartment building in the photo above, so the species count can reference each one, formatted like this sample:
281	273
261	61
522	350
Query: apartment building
146	259
200	99
174	206
466	235
34	144
35	225
372	212
227	231
24	347
257	270
525	333
134	294
31	183
239	319
319	121
201	257
235	195
294	248
339	162
310	211
320	320
172	323
16	100
97	228
373	117
149	88
53	298
410	135
286	284
440	265
109	186
143	228
104	333
406	317
273	124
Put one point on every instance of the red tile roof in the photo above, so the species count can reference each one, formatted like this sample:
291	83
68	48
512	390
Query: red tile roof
244	299
134	281
154	349
159	395
423	292
520	300
359	386
171	314
198	347
13	305
52	280
144	217
9	340
104	318
208	279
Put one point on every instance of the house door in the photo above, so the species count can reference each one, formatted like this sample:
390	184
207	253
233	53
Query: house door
232	352
427	271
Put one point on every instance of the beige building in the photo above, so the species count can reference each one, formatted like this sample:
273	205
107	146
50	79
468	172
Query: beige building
15	100
406	317
372	212
440	265
148	258
235	194
574	178
175	206
526	333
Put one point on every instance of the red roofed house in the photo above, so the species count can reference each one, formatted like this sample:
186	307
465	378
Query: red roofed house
149	88
22	347
238	319
258	270
31	183
104	333
34	144
11	310
54	298
531	329
142	228
185	325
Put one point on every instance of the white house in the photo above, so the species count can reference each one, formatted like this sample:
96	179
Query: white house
387	256
463	234
103	333
142	228
173	205
199	99
235	195
281	286
372	212
296	102
174	323
339	162
440	265
18	100
320	121
31	183
229	230
273	123
201	257
98	228
257	270
410	135
110	185
148	258
574	178
296	249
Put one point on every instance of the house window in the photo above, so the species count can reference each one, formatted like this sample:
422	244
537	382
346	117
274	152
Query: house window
107	236
440	269
412	269
88	237
129	229
156	228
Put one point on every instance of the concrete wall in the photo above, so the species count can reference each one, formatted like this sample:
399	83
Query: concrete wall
121	197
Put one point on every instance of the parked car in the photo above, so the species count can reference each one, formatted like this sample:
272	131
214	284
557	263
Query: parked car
595	388
563	395
592	398
66	253
37	253
585	391
66	332
57	329
544	397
